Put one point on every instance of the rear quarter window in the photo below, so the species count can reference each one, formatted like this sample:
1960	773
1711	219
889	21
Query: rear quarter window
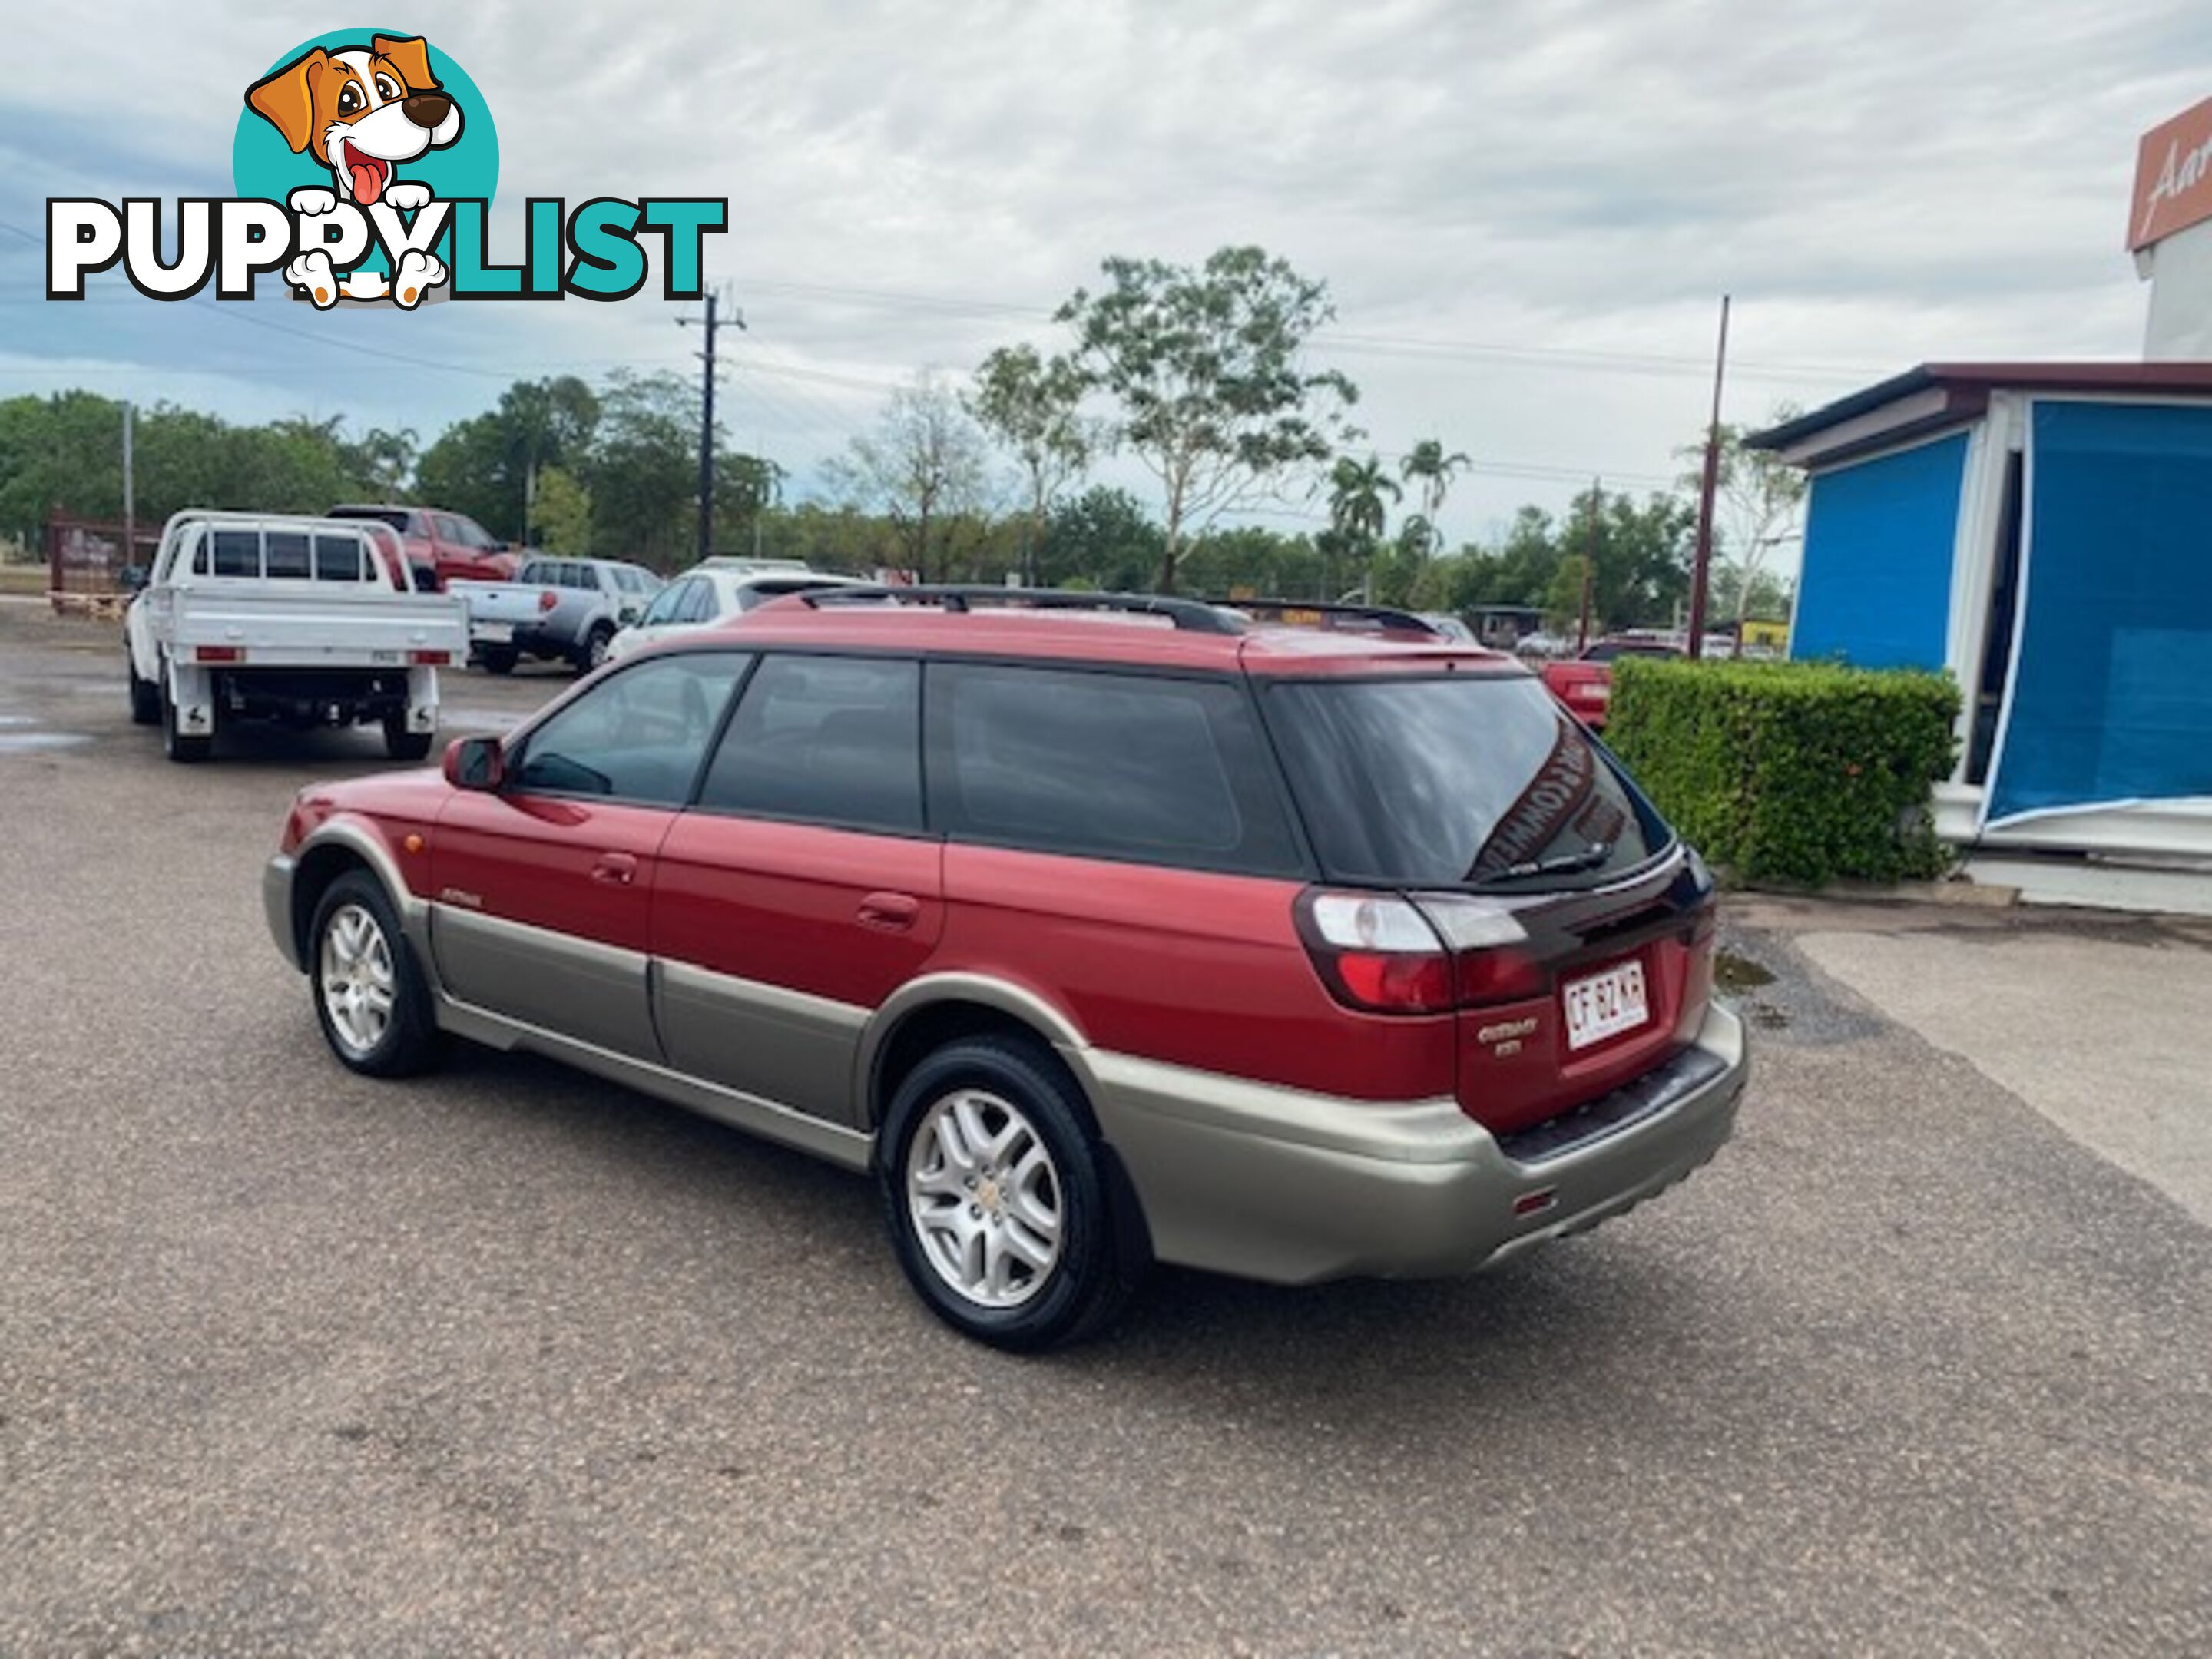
1146	768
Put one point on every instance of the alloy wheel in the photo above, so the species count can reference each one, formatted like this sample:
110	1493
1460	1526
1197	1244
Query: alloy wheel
359	985
984	1198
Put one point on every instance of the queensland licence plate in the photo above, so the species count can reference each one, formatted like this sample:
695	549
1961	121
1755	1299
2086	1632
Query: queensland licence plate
1604	1005
494	633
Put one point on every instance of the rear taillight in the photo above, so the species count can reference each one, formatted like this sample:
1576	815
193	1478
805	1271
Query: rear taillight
547	598
219	653
430	658
1385	954
1491	957
1374	951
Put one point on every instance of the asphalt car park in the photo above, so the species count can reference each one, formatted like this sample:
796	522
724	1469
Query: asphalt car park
508	1359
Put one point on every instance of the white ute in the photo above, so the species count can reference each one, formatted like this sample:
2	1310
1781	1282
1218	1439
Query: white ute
305	622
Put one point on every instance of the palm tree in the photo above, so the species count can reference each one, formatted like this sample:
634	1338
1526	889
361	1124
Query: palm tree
1428	463
1355	508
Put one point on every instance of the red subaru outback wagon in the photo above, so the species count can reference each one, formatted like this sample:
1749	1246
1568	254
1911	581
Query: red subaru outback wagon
1100	931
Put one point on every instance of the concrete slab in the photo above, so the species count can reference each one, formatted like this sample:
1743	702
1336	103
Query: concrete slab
2103	1036
2100	885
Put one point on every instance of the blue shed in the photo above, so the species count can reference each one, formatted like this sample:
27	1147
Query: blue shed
2043	532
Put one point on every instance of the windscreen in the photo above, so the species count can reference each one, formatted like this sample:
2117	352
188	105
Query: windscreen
1460	780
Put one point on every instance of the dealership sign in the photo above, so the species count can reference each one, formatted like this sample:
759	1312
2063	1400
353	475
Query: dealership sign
364	164
2174	178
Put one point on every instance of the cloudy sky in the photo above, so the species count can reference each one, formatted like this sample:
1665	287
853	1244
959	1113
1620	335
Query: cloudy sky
1526	210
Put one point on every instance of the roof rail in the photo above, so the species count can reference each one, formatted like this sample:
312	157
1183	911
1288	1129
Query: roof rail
1192	616
1292	612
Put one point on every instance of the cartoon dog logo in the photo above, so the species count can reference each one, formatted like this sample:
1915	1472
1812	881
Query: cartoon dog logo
360	110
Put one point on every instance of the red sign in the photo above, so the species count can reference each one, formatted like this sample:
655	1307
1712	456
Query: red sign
2174	178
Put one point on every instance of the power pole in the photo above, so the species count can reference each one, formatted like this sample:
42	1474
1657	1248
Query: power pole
736	320
130	494
1589	566
1701	572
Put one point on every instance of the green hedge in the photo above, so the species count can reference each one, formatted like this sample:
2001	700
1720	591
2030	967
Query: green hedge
1790	772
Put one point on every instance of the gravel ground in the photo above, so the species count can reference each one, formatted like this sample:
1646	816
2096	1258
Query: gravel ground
508	1360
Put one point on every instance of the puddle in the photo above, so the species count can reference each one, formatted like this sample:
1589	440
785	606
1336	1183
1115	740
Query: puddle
1733	973
19	736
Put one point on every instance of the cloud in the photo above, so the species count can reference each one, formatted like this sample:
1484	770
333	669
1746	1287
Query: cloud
1525	180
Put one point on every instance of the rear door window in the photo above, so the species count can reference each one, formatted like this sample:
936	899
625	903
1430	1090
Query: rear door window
1145	768
834	740
1464	780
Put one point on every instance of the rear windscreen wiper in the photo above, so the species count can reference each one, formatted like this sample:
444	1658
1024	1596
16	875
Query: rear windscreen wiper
1565	864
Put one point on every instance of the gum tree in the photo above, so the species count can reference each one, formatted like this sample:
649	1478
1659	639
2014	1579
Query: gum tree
1204	369
925	464
1030	404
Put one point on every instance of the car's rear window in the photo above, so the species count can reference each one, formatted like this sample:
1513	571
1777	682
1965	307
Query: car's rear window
284	556
1455	779
337	558
237	552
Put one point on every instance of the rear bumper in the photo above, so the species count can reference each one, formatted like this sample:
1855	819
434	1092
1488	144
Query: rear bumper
1275	1184
535	640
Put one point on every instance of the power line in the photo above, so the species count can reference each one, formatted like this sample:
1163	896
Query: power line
1329	338
1331	335
756	364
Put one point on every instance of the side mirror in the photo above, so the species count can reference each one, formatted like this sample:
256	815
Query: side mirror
134	578
478	763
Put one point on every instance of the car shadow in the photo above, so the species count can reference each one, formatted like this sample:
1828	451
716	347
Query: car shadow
1492	1345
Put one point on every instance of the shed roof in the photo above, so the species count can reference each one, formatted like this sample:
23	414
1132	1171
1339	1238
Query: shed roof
1928	399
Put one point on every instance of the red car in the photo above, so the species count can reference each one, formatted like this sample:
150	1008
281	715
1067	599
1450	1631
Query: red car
1584	684
441	547
1097	930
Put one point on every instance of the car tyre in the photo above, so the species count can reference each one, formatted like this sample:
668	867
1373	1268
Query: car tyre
145	695
500	659
593	653
186	749
371	998
401	744
996	1192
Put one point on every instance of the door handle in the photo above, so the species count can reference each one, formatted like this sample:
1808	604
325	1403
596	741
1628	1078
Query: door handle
614	869
891	913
